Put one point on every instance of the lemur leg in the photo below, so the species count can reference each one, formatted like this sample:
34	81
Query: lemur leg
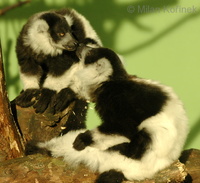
111	176
137	146
132	148
83	140
97	139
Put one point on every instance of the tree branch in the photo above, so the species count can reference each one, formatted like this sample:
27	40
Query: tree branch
38	168
20	3
11	145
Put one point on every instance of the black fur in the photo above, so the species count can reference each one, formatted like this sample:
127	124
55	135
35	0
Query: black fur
56	66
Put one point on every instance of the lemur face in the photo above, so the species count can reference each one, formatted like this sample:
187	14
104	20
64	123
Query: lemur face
60	32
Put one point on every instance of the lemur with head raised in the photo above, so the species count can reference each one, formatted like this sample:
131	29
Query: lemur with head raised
48	55
144	125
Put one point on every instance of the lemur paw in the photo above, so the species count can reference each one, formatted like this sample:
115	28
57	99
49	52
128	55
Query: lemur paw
111	176
32	148
83	140
44	100
27	98
62	100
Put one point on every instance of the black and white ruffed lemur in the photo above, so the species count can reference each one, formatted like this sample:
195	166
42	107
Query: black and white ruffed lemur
144	125
47	54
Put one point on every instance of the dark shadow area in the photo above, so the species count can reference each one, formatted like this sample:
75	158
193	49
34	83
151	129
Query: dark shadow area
162	34
185	156
188	179
194	131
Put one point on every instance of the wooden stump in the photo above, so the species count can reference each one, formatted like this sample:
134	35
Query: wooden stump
40	127
11	144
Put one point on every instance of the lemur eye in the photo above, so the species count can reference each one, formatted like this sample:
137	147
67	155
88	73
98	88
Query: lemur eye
61	34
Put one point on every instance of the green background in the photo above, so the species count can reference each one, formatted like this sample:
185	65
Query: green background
159	40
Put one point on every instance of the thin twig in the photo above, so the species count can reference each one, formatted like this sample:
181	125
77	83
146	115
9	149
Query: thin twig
20	3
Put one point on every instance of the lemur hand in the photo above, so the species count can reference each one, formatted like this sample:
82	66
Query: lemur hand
44	100
86	45
83	140
27	98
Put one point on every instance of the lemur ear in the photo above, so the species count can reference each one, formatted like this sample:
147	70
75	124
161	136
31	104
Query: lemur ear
41	26
102	65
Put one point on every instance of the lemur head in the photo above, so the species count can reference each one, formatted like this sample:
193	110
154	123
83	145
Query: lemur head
60	31
104	61
99	66
49	33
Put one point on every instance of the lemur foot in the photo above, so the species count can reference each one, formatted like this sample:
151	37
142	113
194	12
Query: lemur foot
111	176
27	98
83	140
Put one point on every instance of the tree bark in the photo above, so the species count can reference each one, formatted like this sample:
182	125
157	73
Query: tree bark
191	159
11	144
42	169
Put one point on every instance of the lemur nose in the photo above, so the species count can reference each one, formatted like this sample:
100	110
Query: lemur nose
72	45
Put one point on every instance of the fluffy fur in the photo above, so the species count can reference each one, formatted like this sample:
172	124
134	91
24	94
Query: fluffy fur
143	128
48	55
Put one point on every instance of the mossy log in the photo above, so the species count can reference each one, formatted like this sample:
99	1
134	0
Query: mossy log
41	169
